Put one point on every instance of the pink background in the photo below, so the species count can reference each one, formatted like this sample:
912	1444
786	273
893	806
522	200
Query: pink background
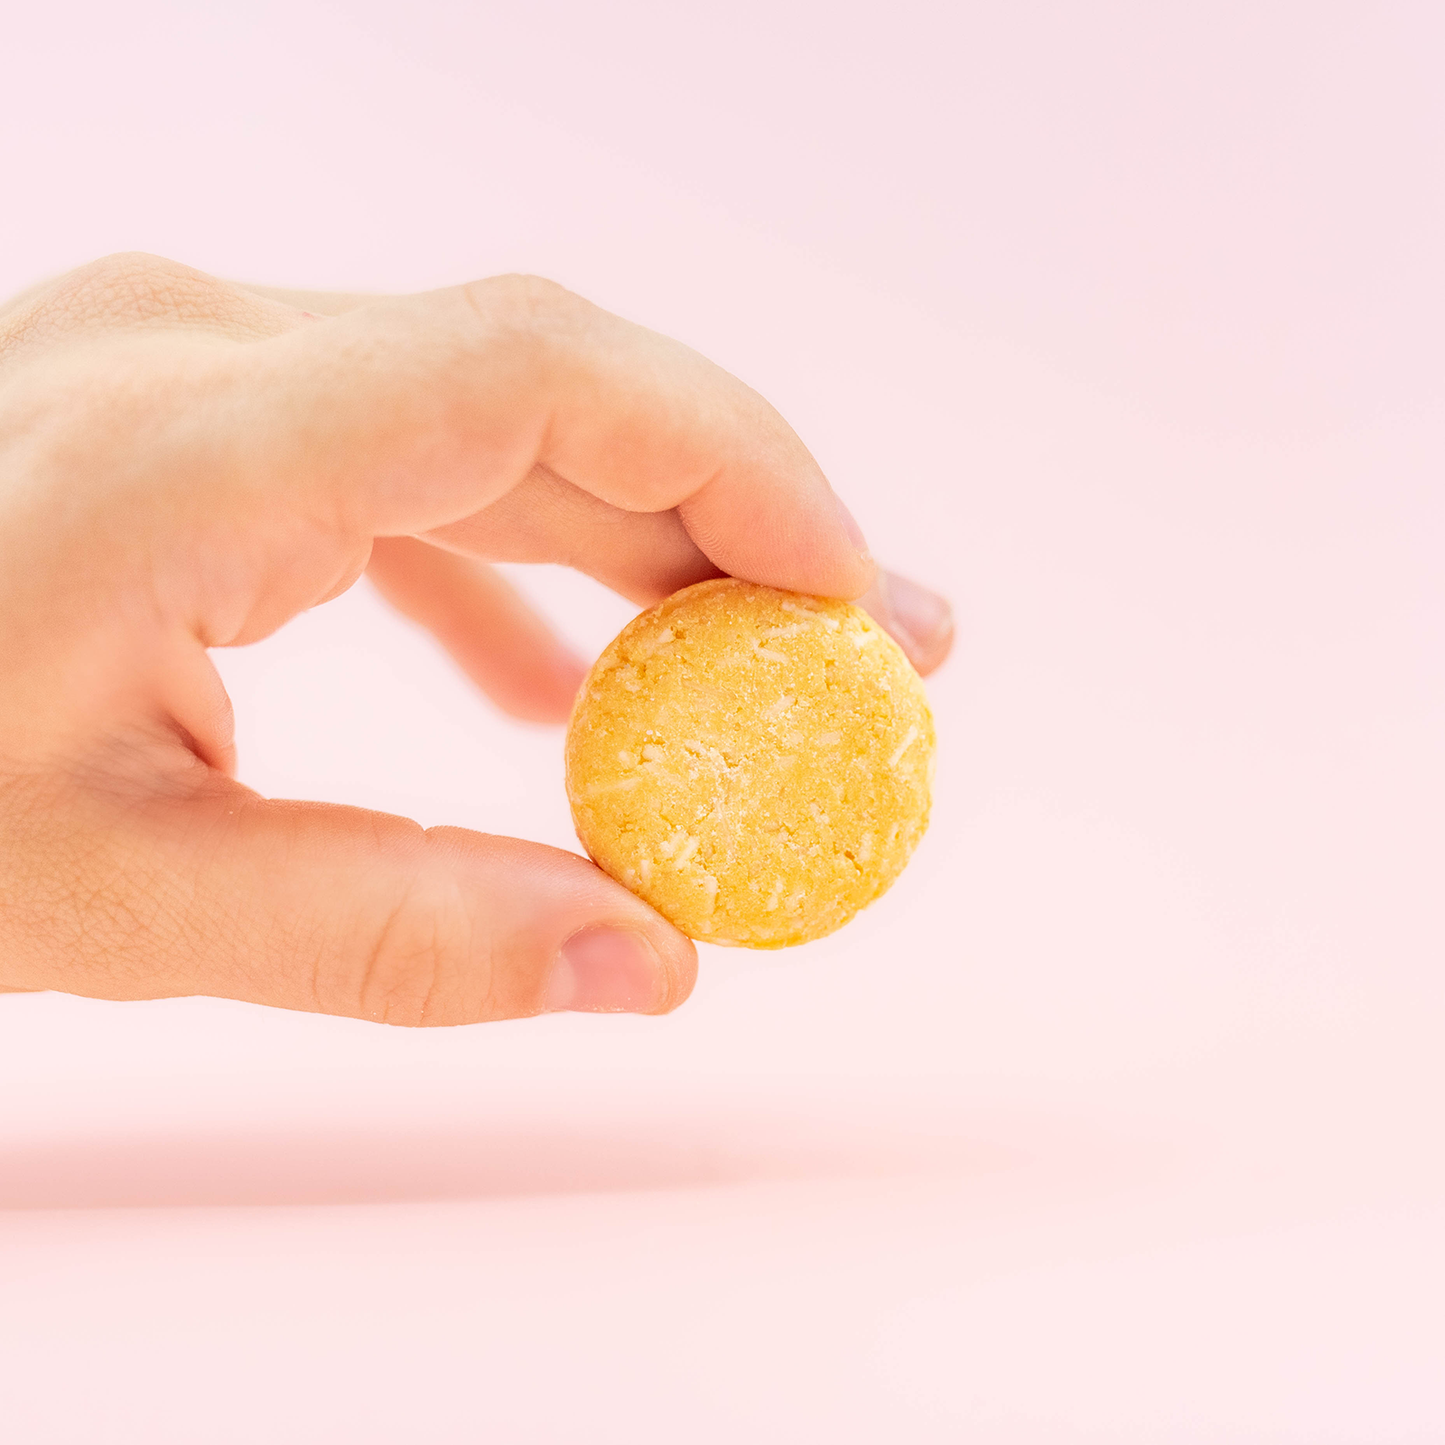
1120	1119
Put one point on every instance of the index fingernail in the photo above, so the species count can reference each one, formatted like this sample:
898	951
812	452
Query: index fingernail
922	614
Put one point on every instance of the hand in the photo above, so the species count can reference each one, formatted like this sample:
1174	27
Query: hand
187	463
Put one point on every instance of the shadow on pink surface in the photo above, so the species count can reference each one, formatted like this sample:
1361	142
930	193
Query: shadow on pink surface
222	1166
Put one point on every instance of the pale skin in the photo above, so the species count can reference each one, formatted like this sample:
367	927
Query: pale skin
187	463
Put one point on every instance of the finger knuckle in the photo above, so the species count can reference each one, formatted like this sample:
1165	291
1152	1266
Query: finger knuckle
86	404
419	956
132	285
127	289
530	304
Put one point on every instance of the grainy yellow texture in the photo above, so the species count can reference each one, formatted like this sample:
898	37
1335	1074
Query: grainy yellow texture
756	764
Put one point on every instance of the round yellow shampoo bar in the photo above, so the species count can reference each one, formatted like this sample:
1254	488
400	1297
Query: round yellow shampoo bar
756	764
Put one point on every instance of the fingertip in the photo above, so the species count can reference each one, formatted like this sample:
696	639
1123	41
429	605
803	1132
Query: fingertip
851	527
547	697
496	637
798	541
570	672
679	956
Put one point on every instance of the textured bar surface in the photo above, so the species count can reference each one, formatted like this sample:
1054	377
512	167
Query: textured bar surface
756	764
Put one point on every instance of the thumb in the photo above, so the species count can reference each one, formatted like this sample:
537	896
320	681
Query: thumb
330	909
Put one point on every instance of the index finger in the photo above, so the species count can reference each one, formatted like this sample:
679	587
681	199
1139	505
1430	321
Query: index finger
410	414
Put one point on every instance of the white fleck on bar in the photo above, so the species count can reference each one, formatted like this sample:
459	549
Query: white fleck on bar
908	740
621	785
831	623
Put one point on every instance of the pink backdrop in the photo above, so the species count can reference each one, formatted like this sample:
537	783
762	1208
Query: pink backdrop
1120	1119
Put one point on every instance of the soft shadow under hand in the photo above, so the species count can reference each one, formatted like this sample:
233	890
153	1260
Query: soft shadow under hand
485	1159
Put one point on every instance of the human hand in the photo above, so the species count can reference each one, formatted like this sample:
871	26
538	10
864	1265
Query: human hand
186	463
